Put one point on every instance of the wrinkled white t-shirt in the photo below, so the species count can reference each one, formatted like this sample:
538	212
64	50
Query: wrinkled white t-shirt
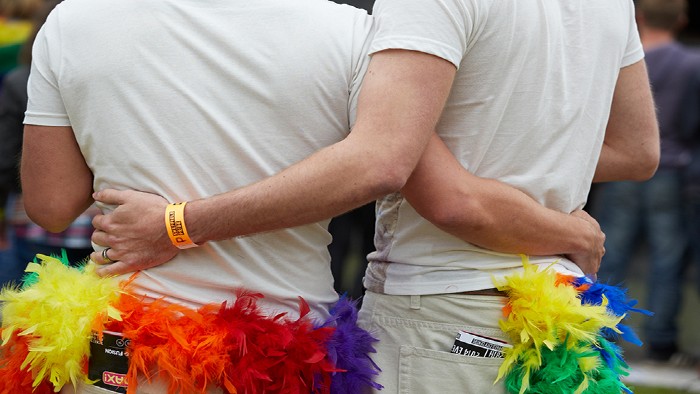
191	98
529	107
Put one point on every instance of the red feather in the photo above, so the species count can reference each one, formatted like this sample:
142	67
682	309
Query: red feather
237	347
14	379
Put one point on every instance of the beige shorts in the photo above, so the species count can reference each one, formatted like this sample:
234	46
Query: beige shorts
416	334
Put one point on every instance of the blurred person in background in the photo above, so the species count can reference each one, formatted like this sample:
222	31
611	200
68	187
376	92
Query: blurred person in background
653	212
691	128
28	238
15	27
692	181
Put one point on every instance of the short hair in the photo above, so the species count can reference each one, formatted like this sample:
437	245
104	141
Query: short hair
662	14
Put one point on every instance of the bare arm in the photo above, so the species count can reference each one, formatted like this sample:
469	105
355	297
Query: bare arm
402	98
56	181
480	211
631	146
496	216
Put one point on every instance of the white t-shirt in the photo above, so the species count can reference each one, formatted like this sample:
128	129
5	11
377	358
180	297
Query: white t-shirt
191	98
528	107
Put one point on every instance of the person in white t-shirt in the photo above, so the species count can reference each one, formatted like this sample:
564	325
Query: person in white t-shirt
529	106
405	89
188	99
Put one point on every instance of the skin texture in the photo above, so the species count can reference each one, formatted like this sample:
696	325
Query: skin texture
47	175
631	148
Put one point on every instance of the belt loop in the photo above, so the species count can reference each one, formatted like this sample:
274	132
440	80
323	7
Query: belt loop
415	302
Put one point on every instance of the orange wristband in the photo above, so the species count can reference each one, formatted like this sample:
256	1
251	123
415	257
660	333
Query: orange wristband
175	224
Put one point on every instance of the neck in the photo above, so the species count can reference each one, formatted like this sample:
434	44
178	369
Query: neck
652	38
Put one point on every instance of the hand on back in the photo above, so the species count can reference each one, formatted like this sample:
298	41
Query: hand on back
134	232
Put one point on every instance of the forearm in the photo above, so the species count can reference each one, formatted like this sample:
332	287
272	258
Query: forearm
330	182
488	213
617	164
401	101
500	218
631	148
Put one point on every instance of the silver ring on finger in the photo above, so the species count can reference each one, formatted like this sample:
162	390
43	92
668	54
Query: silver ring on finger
106	259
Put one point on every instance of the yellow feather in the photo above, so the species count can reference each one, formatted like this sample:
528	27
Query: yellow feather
29	330
542	312
35	267
58	311
583	386
7	334
114	313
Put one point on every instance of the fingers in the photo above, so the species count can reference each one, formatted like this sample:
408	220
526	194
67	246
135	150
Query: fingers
98	222
110	196
581	214
114	269
104	223
105	256
96	258
100	237
108	263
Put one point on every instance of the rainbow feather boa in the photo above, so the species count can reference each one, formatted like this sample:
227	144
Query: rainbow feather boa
48	322
562	328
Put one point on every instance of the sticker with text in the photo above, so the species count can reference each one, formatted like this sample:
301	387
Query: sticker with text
109	361
473	345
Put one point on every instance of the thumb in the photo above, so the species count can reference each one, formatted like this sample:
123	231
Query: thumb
110	196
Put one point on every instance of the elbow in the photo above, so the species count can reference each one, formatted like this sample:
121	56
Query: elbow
50	217
387	178
647	164
443	218
440	212
456	216
649	156
648	170
392	183
50	223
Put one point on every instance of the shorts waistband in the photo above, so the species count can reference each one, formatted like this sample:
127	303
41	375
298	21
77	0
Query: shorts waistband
486	292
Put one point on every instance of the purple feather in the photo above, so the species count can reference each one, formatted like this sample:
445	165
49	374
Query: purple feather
350	348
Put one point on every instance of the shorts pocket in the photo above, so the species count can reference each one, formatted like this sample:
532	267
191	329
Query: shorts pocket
423	371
